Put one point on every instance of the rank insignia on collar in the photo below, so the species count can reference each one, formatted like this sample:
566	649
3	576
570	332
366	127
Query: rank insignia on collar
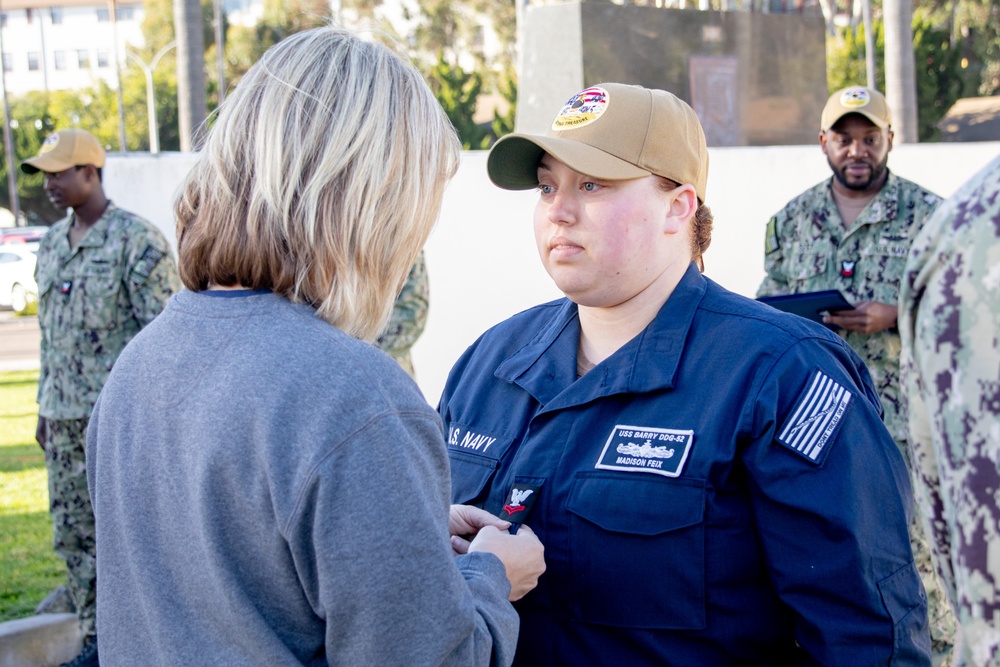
847	269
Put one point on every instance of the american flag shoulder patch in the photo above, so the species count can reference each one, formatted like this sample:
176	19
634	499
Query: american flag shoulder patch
816	417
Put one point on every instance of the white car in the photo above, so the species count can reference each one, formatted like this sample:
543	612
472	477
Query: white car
18	289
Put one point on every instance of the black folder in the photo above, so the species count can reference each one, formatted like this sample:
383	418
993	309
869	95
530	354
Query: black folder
810	305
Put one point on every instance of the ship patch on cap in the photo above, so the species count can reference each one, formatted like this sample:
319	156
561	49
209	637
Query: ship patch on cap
855	98
582	109
50	142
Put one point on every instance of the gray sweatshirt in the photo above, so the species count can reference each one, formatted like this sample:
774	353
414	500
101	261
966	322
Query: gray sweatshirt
271	491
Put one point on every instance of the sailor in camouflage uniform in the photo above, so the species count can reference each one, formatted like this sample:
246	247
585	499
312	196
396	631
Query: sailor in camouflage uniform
103	274
409	316
852	233
950	322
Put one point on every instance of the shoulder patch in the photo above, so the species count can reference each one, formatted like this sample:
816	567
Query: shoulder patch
816	417
771	237
147	261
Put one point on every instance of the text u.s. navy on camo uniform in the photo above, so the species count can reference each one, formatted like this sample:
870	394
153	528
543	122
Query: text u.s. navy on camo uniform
809	249
950	326
91	302
701	502
409	316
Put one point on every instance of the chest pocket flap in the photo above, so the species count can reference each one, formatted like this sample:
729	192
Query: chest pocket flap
630	504
475	456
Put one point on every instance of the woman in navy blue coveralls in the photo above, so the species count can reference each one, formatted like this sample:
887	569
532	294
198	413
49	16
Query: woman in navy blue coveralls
710	477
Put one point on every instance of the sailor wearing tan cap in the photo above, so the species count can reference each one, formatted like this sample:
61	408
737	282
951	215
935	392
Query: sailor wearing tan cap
103	274
710	477
852	233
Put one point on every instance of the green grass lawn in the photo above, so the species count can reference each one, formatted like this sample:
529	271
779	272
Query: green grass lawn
28	567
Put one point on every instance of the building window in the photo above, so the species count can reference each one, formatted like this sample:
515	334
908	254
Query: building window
83	58
56	14
33	61
103	16
125	13
8	63
3	20
29	15
102	58
59	59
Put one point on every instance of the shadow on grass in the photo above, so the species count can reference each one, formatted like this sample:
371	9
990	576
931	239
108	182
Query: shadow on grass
6	380
16	458
29	569
31	414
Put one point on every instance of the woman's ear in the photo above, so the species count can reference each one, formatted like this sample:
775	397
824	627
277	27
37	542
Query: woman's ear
683	206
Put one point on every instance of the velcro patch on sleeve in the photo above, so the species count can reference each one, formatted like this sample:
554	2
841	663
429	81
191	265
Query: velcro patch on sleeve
147	261
771	242
816	417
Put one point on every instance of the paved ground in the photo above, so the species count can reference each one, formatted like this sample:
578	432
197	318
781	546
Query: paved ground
19	338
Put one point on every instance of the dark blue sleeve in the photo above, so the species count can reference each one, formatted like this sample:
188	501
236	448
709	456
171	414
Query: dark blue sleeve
831	498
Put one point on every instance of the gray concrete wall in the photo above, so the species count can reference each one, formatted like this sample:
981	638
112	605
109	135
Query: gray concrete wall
481	256
753	79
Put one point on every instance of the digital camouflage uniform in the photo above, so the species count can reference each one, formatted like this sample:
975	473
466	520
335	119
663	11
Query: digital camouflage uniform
409	316
950	322
809	249
91	302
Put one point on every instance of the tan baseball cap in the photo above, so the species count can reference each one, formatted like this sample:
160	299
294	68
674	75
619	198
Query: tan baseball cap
856	99
64	149
610	131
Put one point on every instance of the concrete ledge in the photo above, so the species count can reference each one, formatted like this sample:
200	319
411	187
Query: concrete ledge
45	640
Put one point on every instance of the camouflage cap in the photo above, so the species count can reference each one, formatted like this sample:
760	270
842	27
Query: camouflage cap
64	149
611	131
856	99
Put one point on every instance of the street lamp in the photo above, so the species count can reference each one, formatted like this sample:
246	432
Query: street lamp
154	135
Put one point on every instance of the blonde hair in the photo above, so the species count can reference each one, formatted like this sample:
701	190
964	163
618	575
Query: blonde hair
320	181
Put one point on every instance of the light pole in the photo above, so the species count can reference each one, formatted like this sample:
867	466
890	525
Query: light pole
154	133
8	143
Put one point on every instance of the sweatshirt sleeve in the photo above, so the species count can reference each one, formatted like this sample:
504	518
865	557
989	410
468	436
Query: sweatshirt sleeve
369	539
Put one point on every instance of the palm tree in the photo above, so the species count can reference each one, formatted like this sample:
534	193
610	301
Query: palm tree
192	106
900	73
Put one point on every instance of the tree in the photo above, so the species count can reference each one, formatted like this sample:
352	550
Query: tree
504	123
245	45
939	75
191	104
30	124
900	76
457	91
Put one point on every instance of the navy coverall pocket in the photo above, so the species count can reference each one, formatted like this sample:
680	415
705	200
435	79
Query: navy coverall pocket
637	555
469	476
904	598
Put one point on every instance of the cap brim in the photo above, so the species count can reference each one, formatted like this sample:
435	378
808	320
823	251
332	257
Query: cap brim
513	161
44	163
878	122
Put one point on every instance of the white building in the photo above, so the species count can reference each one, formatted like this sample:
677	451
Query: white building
69	44
64	44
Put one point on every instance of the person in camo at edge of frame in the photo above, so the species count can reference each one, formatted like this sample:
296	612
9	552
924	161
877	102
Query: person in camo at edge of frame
949	321
711	478
103	274
851	233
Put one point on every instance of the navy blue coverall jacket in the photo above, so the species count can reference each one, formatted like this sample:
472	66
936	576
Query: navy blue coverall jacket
720	491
